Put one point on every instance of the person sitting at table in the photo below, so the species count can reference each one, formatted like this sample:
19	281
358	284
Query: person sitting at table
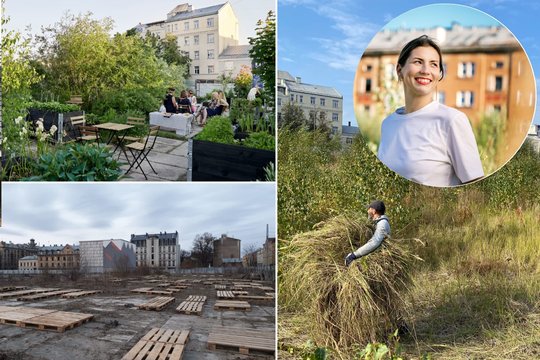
216	107
193	100
170	101
184	104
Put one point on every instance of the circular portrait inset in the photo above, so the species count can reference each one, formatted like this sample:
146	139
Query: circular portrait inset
444	95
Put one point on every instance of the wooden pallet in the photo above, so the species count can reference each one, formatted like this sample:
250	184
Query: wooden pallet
232	305
225	294
77	294
272	294
160	344
13	294
220	287
45	295
254	297
157	303
150	291
164	285
240	293
244	340
265	288
192	305
43	319
12	288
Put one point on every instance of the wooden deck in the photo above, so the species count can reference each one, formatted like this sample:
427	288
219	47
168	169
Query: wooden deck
243	340
160	344
157	303
42	319
232	305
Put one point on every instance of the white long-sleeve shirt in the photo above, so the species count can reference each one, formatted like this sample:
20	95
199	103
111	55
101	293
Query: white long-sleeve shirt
382	231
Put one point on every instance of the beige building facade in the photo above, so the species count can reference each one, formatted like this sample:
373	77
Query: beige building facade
28	263
157	250
58	257
205	34
321	104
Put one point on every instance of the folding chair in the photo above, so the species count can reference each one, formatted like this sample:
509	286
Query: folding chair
143	149
135	121
88	133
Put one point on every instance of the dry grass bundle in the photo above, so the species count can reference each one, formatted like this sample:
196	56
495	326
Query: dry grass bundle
351	305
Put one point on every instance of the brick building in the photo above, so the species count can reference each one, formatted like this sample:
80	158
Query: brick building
226	251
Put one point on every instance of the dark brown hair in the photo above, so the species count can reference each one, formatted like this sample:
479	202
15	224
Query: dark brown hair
423	40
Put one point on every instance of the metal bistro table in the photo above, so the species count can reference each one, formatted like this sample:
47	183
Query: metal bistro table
118	132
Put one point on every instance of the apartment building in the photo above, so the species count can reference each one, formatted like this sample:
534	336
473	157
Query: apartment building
227	251
157	250
98	256
28	263
10	253
321	104
486	71
58	257
209	35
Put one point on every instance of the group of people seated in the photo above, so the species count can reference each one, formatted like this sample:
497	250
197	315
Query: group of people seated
186	103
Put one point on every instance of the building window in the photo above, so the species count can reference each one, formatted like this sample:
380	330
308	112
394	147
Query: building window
195	24
196	55
369	68
466	69
210	54
186	26
196	40
210	69
498	64
334	130
323	102
279	101
175	27
186	40
168	28
497	108
368	85
196	70
312	100
442	97
335	104
292	98
498	83
464	99
210	38
335	117
210	22
301	98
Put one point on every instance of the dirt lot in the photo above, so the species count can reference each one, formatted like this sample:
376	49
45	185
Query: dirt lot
118	324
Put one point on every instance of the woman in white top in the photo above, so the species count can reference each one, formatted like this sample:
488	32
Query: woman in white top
425	141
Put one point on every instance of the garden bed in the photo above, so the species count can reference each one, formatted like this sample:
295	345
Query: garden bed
209	161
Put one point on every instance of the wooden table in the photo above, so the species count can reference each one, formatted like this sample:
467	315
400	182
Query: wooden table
116	130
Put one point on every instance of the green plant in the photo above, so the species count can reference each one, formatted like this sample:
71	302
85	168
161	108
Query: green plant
270	172
53	106
78	162
263	54
245	122
261	140
218	129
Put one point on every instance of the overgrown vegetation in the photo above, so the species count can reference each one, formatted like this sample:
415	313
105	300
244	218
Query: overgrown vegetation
475	295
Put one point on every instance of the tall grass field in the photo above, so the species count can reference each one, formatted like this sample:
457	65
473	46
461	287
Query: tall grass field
472	287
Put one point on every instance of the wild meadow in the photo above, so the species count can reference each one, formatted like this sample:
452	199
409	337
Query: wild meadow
473	281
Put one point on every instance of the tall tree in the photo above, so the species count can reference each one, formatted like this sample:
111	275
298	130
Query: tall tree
263	54
203	249
172	54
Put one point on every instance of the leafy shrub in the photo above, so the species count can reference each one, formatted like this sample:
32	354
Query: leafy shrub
79	162
53	106
219	130
124	101
261	140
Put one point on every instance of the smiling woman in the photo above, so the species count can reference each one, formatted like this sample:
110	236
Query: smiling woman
426	141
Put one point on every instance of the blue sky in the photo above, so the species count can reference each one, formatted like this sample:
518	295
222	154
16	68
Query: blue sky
322	42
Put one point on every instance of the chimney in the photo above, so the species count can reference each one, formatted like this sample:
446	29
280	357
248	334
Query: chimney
349	123
298	80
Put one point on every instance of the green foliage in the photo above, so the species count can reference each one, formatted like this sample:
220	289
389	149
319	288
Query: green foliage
127	100
270	172
261	140
53	106
167	49
218	129
241	108
263	53
242	82
292	117
309	351
379	351
489	133
78	162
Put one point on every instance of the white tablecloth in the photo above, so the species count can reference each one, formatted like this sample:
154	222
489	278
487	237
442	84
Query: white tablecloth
181	123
